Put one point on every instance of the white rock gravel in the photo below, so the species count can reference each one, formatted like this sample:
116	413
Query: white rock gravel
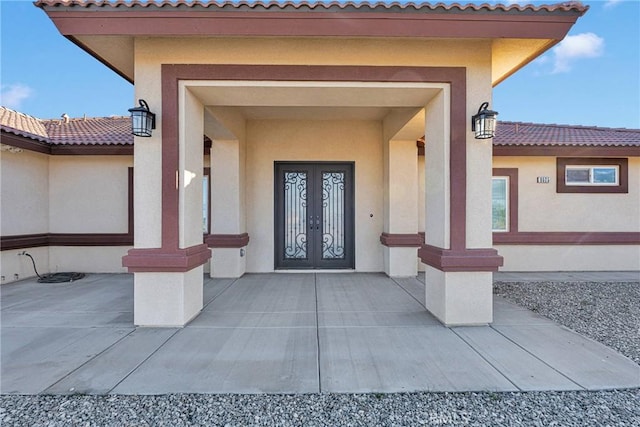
613	408
607	312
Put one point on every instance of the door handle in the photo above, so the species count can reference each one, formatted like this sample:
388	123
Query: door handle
317	222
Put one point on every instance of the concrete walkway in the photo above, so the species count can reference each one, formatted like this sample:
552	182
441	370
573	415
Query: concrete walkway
286	333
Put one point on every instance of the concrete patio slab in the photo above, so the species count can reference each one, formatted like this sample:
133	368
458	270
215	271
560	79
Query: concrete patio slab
369	292
35	358
230	360
103	373
286	333
358	360
216	319
523	369
413	286
589	364
363	319
268	293
213	288
506	313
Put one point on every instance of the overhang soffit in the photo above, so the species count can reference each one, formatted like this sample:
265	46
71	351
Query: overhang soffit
106	29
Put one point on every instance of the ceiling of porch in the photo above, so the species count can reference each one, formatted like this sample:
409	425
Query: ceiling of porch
313	101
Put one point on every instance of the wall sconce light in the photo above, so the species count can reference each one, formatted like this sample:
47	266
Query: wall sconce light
142	120
484	123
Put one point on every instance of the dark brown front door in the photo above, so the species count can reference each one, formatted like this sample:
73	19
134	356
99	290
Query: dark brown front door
314	215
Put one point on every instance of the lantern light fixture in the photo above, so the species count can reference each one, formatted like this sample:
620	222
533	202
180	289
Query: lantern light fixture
484	123
142	120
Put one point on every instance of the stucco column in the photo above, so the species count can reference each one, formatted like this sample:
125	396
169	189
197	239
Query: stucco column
400	236
457	249
228	224
169	251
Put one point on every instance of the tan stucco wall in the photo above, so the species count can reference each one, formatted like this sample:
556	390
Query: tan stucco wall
25	193
345	141
63	194
191	165
88	194
290	51
570	258
24	209
87	259
541	208
12	263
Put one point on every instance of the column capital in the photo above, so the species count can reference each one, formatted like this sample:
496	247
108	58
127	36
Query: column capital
395	240
150	260
460	260
227	240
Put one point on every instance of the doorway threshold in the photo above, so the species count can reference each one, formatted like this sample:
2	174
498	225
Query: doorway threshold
316	270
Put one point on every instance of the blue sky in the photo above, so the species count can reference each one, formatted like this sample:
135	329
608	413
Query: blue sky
592	78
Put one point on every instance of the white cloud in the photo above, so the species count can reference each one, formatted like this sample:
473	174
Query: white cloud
585	45
611	3
541	60
11	96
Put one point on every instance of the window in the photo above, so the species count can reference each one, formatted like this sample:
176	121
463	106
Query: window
504	200
206	205
500	204
585	175
591	175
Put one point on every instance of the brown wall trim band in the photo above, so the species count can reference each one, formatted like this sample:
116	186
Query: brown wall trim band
23	241
65	150
465	260
570	151
65	239
227	240
92	150
567	238
401	240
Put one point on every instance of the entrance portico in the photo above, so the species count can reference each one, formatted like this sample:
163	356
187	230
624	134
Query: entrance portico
402	110
327	92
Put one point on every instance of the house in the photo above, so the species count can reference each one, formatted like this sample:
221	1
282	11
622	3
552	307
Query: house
47	165
313	111
573	196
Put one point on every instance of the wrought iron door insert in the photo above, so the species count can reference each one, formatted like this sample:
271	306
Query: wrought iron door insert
314	215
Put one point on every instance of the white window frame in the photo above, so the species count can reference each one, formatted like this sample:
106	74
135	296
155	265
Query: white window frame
590	169
507	203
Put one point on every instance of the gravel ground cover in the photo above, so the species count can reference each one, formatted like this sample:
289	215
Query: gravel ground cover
606	312
612	408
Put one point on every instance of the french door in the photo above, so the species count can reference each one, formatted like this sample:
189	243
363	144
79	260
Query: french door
314	215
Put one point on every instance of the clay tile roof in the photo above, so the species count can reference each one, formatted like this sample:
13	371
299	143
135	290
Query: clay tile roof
321	6
528	134
82	131
90	131
22	124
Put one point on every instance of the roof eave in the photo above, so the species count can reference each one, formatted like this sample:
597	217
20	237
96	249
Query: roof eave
81	20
